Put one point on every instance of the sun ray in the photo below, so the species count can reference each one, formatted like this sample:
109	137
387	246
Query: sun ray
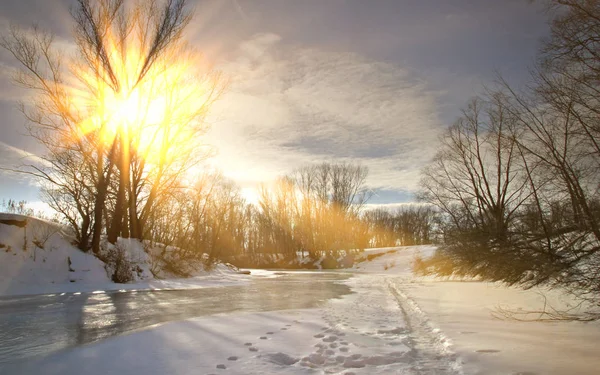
152	114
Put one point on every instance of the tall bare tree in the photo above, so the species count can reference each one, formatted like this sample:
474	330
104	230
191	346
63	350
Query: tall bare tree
539	222
130	104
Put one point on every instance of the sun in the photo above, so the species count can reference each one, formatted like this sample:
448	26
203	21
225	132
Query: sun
251	195
154	113
124	110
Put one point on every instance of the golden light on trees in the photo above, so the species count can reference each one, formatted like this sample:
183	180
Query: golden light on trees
152	110
121	118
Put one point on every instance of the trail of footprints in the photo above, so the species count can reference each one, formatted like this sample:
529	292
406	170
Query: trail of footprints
332	353
341	342
252	348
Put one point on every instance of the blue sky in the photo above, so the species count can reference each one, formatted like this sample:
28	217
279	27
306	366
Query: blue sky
372	82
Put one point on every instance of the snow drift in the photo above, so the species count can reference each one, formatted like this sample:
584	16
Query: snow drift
36	256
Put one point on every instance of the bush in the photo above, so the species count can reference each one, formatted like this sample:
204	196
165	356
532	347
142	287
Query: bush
118	265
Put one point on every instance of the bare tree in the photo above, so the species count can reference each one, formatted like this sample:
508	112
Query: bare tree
332	196
405	226
475	181
539	223
129	106
474	178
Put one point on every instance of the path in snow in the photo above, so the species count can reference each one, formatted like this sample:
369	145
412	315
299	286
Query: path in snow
464	312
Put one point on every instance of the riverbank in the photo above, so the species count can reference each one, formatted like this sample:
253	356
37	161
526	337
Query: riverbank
393	322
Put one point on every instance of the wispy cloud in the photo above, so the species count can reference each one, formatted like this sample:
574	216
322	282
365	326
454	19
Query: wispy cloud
288	106
14	184
13	158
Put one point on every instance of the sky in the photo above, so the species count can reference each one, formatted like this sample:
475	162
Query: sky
368	82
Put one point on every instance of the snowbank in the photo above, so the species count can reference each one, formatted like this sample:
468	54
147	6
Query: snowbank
392	260
37	258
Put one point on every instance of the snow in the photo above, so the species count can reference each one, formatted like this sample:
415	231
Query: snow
29	268
38	259
333	339
392	260
464	319
467	314
393	323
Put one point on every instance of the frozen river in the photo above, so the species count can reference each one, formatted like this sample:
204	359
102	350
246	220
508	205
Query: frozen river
41	324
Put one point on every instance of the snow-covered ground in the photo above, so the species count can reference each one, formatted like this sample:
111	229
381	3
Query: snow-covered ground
465	318
394	323
38	259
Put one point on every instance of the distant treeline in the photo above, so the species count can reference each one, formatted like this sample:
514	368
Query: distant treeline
315	212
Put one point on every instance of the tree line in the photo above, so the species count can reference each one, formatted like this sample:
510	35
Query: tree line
517	176
313	214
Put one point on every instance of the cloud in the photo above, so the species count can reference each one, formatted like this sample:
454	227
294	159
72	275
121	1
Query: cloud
288	106
14	184
13	158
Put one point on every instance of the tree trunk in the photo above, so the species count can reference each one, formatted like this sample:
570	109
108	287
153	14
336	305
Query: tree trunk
117	219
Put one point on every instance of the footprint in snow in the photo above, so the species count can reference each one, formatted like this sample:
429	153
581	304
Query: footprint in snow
232	358
253	349
263	337
354	363
270	333
248	344
282	359
221	367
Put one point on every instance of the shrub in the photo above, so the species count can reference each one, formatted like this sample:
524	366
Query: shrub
118	265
